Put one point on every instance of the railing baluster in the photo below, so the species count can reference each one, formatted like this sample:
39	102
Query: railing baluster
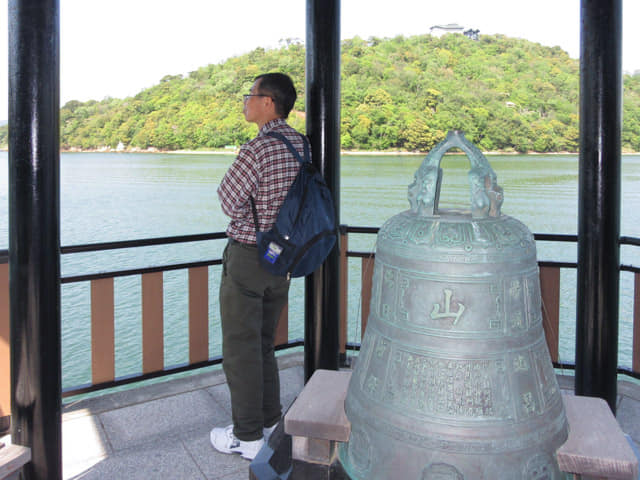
344	291
635	362
367	283
152	323
550	293
198	314
5	353
102	331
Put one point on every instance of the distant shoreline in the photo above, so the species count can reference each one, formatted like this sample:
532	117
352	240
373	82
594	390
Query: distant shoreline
373	153
342	152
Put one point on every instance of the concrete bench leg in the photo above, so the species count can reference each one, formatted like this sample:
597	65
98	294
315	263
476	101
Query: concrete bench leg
316	422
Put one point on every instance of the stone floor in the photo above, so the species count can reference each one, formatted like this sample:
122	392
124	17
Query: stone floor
161	431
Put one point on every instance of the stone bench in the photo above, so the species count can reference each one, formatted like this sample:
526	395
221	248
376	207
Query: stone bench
596	448
316	419
12	459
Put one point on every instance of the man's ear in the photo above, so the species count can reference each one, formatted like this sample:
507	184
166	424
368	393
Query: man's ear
272	104
270	99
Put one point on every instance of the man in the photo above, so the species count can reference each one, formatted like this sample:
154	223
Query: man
251	299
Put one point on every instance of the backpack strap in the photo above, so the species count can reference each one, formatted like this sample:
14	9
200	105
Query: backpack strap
295	153
291	148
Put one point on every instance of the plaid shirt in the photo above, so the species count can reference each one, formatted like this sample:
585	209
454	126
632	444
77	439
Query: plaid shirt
264	169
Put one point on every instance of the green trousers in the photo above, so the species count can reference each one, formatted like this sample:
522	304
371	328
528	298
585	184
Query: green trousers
251	300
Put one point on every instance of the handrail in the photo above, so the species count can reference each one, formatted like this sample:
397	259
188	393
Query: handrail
146	242
96	247
630	241
555	237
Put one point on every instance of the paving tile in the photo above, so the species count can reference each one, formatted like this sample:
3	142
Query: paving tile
630	388
164	418
236	476
161	460
221	395
213	464
145	393
628	416
566	382
291	384
84	444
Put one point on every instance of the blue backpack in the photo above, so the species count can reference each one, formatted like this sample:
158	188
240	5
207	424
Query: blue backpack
305	230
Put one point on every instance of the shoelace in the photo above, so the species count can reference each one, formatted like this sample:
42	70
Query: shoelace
233	441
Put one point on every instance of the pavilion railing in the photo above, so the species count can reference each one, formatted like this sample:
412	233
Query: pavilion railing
103	374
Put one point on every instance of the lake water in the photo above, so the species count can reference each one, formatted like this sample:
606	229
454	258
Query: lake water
112	197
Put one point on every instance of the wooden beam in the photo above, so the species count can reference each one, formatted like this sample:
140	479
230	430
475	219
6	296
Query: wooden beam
367	285
344	291
5	350
102	331
198	314
550	293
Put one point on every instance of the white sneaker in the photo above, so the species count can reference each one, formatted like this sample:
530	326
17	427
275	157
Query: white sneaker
268	431
225	441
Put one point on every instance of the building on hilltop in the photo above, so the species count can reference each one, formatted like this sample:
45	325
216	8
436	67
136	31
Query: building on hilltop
472	34
439	30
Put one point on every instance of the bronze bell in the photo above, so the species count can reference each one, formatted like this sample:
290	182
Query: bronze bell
454	379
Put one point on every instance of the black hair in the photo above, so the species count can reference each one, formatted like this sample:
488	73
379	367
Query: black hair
280	88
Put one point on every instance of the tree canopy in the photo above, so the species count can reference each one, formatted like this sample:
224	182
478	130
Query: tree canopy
401	93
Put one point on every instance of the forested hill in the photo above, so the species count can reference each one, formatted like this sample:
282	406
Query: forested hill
402	93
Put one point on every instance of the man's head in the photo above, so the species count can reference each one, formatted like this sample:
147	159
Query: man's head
272	96
281	90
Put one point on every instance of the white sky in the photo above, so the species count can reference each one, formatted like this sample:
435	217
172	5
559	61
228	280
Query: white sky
117	48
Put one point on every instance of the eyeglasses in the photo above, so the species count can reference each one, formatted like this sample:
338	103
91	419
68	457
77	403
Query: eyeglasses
246	96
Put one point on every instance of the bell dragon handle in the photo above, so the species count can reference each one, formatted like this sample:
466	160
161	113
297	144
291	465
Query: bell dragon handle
486	194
